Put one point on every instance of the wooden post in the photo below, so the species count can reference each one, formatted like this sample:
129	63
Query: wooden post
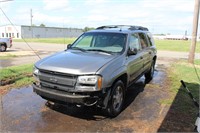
194	32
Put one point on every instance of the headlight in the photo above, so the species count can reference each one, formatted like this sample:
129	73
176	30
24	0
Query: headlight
36	72
90	83
88	79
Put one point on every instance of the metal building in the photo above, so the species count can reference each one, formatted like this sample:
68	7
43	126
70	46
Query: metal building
38	32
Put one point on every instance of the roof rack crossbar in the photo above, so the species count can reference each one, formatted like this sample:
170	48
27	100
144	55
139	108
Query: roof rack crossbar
129	27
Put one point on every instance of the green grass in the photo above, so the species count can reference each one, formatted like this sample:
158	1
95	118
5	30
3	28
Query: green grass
48	40
180	99
179	102
17	75
197	62
166	101
175	45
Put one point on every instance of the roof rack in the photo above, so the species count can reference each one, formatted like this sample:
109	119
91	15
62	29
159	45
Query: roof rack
129	27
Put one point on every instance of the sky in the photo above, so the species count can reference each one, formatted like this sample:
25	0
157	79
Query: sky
159	16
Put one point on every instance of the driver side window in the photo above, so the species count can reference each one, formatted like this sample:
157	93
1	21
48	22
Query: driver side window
134	42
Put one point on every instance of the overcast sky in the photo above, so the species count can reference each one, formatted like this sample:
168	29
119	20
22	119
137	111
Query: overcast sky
160	16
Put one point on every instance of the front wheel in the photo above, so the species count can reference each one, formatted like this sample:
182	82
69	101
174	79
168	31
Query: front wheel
116	100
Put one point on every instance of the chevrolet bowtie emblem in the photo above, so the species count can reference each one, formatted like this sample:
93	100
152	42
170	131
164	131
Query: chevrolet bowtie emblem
53	79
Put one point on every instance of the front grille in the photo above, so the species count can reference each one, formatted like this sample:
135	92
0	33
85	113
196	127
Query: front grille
57	80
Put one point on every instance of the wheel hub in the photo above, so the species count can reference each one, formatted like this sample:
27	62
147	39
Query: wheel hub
117	97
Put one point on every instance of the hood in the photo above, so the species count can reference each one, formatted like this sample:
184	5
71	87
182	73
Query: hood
75	62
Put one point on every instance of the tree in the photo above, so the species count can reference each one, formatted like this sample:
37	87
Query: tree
88	29
42	25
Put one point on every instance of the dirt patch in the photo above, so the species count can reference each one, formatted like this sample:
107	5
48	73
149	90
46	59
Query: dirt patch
17	53
8	84
5	89
21	53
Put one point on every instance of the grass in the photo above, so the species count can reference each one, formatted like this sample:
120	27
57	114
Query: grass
180	100
166	101
175	45
48	40
17	76
197	62
182	110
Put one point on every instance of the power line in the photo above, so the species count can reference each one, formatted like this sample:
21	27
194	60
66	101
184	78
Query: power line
20	35
5	0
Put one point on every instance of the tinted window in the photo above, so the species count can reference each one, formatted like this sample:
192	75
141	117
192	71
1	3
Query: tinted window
134	42
150	38
143	40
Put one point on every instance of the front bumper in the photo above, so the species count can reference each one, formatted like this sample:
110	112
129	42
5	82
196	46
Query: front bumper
81	98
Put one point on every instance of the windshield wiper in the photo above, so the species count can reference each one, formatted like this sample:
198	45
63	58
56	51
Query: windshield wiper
100	50
77	48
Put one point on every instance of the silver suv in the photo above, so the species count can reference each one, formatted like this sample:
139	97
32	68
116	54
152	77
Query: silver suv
97	68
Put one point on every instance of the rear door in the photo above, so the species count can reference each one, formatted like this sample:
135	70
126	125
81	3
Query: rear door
146	51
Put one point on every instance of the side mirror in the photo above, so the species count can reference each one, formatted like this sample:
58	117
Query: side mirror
132	51
69	46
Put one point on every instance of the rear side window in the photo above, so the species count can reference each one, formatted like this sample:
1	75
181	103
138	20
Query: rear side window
134	42
143	40
150	38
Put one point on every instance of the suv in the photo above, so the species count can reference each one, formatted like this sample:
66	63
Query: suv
97	68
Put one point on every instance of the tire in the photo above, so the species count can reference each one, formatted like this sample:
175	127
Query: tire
3	48
150	73
116	101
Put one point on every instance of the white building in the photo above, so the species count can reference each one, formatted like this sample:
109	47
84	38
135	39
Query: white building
174	37
10	31
38	32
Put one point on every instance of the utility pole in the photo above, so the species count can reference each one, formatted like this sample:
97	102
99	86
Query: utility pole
194	32
31	24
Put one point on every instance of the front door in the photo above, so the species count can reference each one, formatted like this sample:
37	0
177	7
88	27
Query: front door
134	62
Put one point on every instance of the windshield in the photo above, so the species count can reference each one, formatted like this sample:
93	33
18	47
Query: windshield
103	42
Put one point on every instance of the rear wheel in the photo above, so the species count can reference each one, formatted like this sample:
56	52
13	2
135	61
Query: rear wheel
116	100
3	48
150	73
